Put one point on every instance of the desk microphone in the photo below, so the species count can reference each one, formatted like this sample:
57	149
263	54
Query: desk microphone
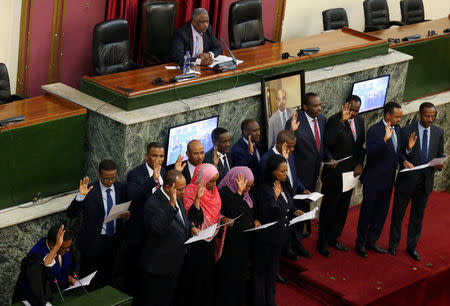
59	290
308	51
411	37
229	65
5	122
78	280
286	55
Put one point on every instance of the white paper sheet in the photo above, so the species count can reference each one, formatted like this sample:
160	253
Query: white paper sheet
349	181
171	67
312	196
116	211
222	58
263	226
231	220
85	281
206	233
337	161
416	168
306	216
438	161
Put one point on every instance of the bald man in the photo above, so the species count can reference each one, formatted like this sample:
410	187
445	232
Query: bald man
196	154
278	120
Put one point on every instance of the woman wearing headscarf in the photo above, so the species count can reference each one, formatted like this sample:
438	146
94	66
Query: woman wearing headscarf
202	203
275	202
232	267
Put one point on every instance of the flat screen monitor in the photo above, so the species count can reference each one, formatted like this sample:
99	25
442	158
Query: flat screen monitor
372	92
179	137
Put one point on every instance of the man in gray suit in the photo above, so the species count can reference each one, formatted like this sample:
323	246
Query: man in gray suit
278	119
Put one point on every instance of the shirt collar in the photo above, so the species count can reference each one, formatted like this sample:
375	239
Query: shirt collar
191	168
274	149
103	188
421	128
194	32
220	155
309	118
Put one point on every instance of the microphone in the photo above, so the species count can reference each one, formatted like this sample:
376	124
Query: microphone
411	37
5	122
59	290
76	277
286	55
229	65
308	51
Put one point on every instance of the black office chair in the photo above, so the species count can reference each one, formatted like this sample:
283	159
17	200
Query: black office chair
412	11
111	47
245	25
158	20
334	19
5	87
376	14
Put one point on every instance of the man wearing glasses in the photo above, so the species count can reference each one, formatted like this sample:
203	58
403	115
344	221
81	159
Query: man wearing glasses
97	241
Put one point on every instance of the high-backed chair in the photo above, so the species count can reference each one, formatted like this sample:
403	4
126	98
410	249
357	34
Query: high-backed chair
376	15
158	19
412	11
111	47
245	24
5	87
334	19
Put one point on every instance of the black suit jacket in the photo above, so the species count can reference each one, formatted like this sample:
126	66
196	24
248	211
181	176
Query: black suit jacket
165	235
183	41
340	143
241	157
187	174
382	160
307	158
93	214
408	180
140	186
220	167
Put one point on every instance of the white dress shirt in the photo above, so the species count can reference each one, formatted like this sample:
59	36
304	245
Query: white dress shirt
311	125
223	158
176	204
191	168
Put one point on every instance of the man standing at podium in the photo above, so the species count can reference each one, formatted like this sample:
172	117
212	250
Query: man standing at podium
195	36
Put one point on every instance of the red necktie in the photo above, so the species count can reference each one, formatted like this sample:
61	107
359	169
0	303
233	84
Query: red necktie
316	135
352	126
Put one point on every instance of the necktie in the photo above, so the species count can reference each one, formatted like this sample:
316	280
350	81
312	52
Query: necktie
424	146
225	163
352	126
394	140
109	204
316	135
179	215
197	45
283	120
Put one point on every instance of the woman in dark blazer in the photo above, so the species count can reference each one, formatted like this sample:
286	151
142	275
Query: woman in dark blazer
274	202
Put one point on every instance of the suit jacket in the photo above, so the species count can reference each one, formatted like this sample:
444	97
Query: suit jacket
276	125
183	41
241	157
408	180
220	167
140	186
186	174
307	158
93	213
340	143
382	160
164	249
297	185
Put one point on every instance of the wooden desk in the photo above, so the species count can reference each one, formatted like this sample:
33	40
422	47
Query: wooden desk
429	71
336	47
44	154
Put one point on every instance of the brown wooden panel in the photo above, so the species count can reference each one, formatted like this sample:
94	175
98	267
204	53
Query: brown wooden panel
255	58
421	28
39	109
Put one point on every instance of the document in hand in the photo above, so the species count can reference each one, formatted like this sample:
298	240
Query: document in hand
337	161
312	196
306	216
349	181
205	234
232	220
84	281
261	227
116	211
432	163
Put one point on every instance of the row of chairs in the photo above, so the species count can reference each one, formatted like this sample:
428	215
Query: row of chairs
376	15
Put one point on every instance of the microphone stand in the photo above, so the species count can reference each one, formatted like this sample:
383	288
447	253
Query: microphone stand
78	280
59	290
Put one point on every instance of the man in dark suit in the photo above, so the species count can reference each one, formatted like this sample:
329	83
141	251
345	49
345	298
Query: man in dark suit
345	136
195	36
196	154
97	241
416	186
245	151
383	157
308	125
219	155
166	230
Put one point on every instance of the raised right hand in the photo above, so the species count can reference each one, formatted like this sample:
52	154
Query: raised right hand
178	164
60	237
285	151
200	191
156	172
241	183
346	113
276	189
388	132
294	123
250	145
172	195
84	183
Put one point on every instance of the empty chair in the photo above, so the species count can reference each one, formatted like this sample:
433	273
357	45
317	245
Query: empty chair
334	19
412	11
111	47
5	87
376	14
158	25
245	25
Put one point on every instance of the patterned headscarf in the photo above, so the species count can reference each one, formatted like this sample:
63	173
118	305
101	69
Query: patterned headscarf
230	181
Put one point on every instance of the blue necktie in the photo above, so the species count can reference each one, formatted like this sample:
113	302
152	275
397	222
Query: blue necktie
394	140
109	203
197	46
424	147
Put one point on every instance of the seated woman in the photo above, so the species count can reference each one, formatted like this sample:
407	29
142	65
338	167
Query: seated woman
274	203
232	266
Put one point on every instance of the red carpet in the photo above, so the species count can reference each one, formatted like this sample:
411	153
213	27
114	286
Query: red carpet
381	279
